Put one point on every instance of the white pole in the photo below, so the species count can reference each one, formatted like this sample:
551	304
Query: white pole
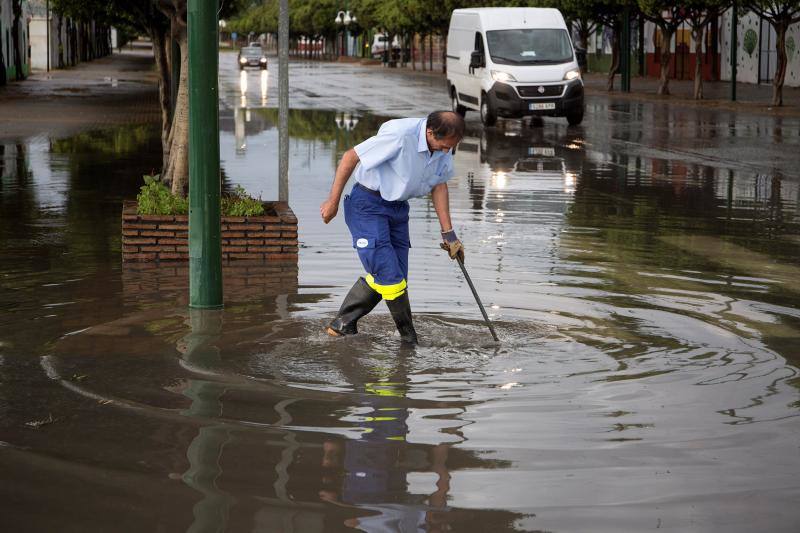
283	101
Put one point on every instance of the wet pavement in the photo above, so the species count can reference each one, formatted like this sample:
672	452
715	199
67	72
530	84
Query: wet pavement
641	271
110	91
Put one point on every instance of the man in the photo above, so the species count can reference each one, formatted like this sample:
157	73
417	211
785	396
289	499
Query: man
407	158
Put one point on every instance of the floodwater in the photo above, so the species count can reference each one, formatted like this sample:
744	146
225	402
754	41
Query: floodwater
647	375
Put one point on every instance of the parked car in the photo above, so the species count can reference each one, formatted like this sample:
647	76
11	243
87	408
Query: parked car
252	55
379	44
513	62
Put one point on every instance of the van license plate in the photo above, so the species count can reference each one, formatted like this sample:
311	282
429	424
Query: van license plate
541	107
545	151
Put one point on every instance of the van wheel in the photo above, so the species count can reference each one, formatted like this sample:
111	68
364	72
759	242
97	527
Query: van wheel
575	118
457	108
488	112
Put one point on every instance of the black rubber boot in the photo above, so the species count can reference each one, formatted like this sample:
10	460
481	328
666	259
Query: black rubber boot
359	301
401	313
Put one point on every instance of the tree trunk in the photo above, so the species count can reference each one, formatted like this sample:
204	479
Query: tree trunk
780	74
614	58
159	37
666	55
443	46
413	53
584	35
3	79
15	37
697	32
430	55
422	52
68	43
177	169
60	42
71	43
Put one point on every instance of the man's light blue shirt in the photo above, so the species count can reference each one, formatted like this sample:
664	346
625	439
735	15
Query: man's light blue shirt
398	163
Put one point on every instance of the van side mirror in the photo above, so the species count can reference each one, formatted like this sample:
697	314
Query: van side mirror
476	59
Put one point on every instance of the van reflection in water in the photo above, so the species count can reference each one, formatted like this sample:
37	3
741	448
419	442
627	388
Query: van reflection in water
498	155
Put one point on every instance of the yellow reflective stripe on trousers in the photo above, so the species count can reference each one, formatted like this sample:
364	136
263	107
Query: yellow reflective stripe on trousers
389	292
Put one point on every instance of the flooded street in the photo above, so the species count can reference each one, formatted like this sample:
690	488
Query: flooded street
641	270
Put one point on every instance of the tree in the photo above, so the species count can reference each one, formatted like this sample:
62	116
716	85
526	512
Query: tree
609	13
579	15
176	167
176	147
2	59
699	14
667	16
780	15
16	9
164	21
395	19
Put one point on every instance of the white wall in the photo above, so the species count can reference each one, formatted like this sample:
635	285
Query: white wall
39	43
747	63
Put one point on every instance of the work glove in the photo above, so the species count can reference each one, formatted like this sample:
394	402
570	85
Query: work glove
452	245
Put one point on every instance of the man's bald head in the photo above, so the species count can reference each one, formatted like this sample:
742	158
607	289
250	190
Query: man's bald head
446	124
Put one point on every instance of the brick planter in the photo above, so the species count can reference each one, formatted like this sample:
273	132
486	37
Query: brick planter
270	237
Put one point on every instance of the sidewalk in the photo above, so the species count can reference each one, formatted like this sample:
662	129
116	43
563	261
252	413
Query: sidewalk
717	94
114	90
750	98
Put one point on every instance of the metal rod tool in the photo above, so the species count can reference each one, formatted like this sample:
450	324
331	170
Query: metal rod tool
477	298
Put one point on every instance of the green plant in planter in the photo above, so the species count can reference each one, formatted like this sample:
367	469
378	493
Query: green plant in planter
239	204
155	198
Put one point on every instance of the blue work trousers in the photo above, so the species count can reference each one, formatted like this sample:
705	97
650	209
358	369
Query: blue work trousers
380	235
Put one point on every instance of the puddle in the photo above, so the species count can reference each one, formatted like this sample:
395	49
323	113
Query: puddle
647	308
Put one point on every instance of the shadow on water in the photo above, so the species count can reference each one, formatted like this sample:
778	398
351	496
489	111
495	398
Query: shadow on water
647	308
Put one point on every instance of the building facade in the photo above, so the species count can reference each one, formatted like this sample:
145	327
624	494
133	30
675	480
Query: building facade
66	41
757	55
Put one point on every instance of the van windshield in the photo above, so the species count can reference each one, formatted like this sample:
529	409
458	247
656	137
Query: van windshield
529	46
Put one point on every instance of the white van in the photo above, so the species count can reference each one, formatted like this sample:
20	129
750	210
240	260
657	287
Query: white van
513	62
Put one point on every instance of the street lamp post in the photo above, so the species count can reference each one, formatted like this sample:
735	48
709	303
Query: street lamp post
205	243
222	25
344	17
47	34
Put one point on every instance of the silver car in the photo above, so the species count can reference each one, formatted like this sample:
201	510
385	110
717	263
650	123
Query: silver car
252	55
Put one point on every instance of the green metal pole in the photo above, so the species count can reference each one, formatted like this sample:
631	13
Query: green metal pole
205	245
734	47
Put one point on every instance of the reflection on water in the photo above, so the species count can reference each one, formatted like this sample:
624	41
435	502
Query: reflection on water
264	86
647	307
